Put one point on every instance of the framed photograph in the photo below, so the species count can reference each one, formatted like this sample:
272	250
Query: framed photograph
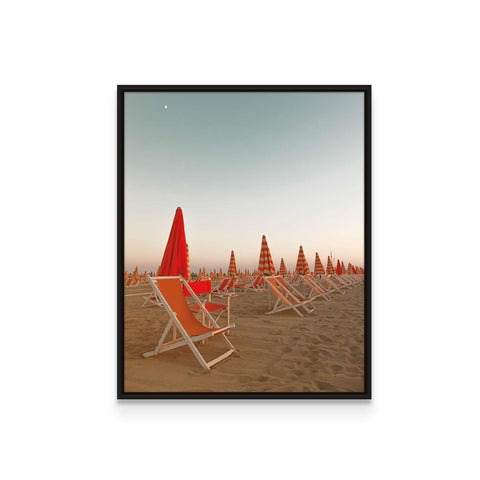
244	251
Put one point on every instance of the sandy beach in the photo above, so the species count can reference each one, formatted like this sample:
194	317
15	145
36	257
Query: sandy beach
283	352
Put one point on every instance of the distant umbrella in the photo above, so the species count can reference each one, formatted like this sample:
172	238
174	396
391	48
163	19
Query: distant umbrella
302	267
232	268
265	262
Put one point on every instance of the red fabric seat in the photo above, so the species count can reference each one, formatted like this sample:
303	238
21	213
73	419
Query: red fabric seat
211	307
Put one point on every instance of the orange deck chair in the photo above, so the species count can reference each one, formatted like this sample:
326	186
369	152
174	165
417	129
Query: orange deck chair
316	290
285	298
226	287
204	287
183	321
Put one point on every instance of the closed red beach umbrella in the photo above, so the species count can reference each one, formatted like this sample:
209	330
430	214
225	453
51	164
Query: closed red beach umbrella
339	270
175	256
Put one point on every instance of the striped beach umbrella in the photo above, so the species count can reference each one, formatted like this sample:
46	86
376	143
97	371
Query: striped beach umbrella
339	270
283	268
319	270
265	262
349	269
135	273
232	268
302	265
220	274
330	269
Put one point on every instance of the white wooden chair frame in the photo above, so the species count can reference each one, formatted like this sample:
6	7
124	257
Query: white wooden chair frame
316	290
226	309
332	284
186	339
285	303
342	281
256	285
228	290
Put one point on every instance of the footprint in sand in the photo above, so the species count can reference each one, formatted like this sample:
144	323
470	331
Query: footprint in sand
306	362
337	368
324	353
243	379
287	349
325	339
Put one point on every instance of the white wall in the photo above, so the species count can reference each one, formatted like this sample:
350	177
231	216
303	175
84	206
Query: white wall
60	66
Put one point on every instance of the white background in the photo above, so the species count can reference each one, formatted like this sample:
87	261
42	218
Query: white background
60	66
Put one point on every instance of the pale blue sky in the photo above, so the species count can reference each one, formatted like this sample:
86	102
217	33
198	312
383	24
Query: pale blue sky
242	165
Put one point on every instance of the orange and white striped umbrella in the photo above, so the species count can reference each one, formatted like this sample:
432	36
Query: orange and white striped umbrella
330	269
302	265
220	274
319	270
349	269
283	268
232	268
265	262
135	273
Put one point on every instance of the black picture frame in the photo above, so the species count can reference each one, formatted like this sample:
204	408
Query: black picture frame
367	90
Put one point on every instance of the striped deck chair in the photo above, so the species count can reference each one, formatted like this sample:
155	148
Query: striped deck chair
254	284
331	284
226	288
182	320
316	290
341	281
258	284
133	282
285	298
221	286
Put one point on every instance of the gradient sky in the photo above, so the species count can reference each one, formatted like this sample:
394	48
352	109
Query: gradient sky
242	165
